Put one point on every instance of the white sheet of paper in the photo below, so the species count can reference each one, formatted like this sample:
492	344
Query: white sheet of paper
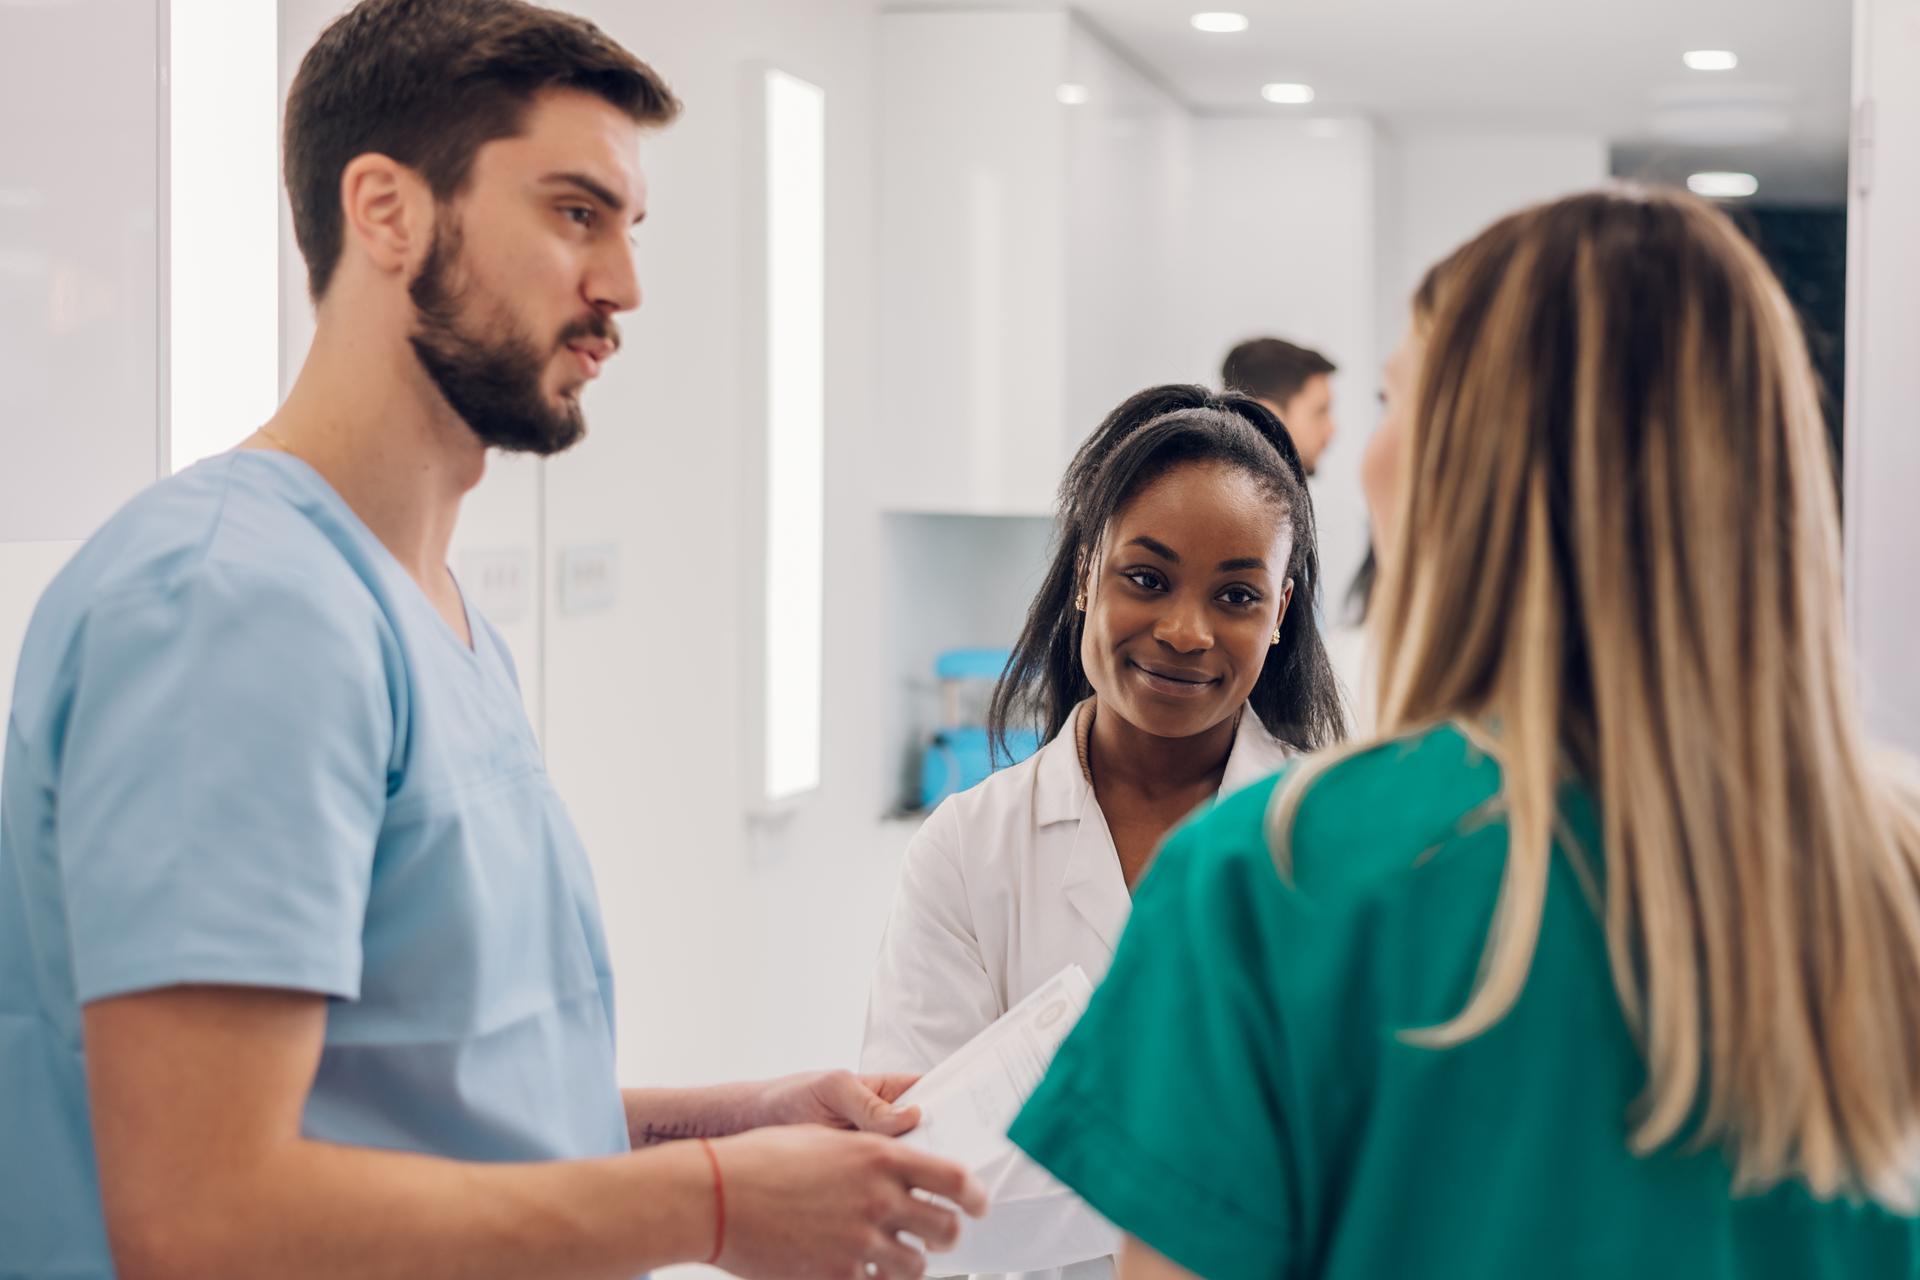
968	1102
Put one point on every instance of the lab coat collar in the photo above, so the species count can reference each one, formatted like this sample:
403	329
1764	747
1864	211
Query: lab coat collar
1091	879
1256	754
1061	790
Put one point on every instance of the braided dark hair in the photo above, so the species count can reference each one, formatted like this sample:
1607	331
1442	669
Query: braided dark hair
1296	695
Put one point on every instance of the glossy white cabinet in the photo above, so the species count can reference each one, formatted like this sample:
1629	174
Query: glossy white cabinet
1032	196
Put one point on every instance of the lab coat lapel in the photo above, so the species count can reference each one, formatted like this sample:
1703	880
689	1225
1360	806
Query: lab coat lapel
1093	883
1256	754
1066	811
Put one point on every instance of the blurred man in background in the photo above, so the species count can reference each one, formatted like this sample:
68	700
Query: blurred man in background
1293	382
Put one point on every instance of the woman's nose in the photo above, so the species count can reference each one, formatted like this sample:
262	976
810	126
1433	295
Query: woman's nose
1183	628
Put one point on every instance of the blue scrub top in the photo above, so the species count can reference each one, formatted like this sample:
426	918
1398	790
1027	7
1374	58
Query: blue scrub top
245	749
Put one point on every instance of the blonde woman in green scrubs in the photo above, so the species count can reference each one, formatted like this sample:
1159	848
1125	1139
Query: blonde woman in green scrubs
1603	960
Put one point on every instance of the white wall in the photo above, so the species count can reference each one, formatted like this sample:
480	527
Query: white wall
739	950
301	22
1451	185
80	262
1883	373
1284	244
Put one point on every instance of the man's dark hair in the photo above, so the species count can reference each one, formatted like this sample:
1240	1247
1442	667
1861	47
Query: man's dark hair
1272	369
428	82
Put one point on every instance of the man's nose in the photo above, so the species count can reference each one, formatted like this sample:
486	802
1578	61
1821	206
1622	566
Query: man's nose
614	286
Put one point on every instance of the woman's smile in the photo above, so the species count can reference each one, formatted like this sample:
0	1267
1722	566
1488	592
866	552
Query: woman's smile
1173	681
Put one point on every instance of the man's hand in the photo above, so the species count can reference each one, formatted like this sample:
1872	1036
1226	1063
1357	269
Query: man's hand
804	1202
839	1100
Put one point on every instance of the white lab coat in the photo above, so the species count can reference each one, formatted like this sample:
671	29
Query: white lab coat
1005	885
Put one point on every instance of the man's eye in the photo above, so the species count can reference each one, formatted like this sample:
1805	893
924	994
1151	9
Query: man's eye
579	214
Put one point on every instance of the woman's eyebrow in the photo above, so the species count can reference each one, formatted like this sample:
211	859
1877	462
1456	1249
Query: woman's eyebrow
1156	546
1244	562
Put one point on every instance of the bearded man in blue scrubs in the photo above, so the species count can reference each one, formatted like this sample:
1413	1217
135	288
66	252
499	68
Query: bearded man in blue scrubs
301	967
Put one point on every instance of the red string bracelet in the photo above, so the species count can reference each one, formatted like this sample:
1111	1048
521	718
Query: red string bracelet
719	1204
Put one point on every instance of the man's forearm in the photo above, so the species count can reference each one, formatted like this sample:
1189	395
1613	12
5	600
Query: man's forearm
715	1111
317	1210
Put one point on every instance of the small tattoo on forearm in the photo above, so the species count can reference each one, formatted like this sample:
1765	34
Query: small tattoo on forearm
650	1134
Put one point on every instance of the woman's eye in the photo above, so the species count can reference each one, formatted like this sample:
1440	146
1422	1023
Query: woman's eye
1239	596
1145	579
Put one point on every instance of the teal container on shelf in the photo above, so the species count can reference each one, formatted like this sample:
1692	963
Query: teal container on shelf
958	756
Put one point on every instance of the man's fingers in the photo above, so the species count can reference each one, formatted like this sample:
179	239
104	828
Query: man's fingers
942	1178
939	1227
890	1121
896	1261
890	1087
867	1110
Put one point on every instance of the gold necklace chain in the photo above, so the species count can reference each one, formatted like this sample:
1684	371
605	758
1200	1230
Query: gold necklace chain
278	443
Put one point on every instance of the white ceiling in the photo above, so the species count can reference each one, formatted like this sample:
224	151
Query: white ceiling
1610	67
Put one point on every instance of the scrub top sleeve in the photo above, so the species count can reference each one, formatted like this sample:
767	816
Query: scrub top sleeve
1162	1108
221	786
931	990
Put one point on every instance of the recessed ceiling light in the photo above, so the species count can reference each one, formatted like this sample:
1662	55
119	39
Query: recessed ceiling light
1220	23
1071	95
1291	95
1710	59
1723	186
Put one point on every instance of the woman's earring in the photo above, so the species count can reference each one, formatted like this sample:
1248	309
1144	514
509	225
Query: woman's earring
1080	601
1276	636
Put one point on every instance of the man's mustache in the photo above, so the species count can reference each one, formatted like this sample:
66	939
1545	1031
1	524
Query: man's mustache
593	326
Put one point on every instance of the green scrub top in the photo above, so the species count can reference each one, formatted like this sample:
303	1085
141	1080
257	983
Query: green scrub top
1239	1097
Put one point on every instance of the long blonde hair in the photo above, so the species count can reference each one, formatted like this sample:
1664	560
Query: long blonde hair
1618	552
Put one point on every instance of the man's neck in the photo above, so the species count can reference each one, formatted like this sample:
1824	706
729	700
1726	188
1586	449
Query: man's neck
371	422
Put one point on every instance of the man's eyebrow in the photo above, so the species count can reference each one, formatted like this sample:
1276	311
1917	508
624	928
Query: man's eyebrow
595	188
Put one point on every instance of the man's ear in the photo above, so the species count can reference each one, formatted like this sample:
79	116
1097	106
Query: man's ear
387	214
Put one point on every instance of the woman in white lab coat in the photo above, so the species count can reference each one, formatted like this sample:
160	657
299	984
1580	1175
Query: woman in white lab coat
1170	656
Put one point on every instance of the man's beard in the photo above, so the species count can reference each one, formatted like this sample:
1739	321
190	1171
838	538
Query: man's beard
491	380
